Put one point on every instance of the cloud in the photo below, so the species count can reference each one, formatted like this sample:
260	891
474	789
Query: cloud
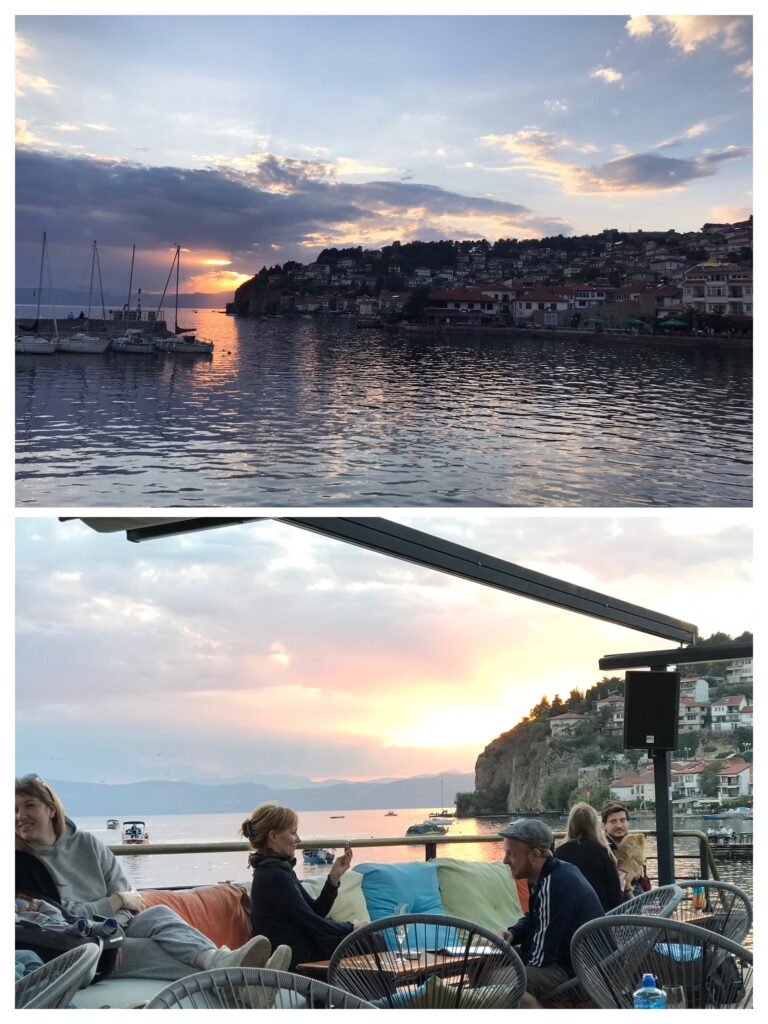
556	106
265	200
538	153
220	646
692	133
729	214
29	81
608	75
744	69
689	32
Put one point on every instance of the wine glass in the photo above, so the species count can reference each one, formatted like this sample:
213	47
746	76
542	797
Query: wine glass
400	929
675	997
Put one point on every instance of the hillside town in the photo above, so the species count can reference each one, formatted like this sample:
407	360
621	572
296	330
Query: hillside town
637	281
722	724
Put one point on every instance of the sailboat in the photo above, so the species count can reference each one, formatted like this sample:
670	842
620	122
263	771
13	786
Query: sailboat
30	342
443	817
81	341
179	343
133	342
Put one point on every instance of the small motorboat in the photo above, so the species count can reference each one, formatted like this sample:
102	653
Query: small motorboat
426	828
318	857
135	833
113	823
391	814
337	815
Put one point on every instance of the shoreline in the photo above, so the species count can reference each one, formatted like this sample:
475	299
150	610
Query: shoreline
572	334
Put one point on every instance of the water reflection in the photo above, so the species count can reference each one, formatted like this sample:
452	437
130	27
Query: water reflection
300	412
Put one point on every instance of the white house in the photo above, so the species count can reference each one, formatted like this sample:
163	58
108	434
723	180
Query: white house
726	712
695	687
739	672
691	715
734	779
633	787
565	725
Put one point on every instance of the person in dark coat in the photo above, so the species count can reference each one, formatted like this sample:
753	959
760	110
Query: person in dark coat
587	848
281	908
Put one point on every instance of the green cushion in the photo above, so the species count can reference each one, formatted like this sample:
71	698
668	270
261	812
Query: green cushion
484	893
349	904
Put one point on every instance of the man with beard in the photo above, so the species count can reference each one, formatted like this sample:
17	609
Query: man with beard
560	901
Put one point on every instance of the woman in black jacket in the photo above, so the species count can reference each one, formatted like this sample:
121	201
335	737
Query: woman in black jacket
281	908
587	848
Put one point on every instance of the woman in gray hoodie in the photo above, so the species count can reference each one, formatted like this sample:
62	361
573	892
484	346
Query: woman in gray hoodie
90	882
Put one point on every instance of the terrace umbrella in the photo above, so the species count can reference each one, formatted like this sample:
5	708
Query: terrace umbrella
634	320
594	320
674	323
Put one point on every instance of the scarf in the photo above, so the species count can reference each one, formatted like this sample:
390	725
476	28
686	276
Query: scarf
270	859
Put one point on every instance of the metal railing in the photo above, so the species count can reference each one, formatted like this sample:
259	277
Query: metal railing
707	866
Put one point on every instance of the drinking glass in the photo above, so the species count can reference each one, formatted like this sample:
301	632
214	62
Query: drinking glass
675	997
400	931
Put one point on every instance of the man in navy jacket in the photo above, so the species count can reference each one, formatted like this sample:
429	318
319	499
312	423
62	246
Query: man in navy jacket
560	901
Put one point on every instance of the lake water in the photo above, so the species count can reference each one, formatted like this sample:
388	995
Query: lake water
206	868
312	411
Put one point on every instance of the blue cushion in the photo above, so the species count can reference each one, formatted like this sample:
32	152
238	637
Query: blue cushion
414	883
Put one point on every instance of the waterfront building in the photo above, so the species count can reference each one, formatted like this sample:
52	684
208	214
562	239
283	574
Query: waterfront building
726	712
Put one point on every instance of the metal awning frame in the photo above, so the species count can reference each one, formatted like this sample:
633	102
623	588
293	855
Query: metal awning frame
389	538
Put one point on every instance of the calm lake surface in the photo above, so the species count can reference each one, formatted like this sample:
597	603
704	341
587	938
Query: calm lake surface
313	411
207	868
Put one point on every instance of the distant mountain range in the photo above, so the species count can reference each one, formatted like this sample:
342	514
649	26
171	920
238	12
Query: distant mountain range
158	796
70	297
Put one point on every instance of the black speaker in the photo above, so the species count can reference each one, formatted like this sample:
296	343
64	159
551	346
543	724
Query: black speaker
651	701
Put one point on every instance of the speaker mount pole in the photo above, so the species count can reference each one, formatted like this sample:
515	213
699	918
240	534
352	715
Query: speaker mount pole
662	781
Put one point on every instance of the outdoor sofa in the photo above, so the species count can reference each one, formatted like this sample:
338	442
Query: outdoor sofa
482	892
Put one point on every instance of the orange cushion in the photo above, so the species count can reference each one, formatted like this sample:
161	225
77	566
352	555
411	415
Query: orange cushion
218	911
522	892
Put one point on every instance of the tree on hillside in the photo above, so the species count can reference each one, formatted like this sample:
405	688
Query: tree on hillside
710	782
416	302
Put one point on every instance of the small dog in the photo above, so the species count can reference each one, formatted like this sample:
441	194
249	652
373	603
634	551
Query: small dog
630	857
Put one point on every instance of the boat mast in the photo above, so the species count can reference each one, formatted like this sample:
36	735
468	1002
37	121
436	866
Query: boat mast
40	280
176	312
90	286
130	279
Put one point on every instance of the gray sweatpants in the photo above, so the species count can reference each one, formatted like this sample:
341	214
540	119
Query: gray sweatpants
159	944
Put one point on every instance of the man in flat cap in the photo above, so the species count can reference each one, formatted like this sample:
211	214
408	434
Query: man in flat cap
560	901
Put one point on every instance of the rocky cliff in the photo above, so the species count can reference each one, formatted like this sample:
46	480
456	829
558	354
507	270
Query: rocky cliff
522	760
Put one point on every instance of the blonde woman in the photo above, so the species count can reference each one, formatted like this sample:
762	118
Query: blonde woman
587	848
88	881
281	908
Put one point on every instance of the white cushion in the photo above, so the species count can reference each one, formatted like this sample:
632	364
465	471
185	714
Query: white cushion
349	904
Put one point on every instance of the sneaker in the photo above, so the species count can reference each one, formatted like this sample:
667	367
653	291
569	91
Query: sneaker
253	954
280	959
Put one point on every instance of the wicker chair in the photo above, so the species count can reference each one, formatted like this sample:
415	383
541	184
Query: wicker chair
727	909
611	954
662	901
445	963
252	988
53	985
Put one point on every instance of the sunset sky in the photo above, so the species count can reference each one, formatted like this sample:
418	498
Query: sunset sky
258	139
263	648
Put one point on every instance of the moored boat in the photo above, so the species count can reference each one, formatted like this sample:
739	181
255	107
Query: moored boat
189	345
133	342
426	828
113	823
85	344
29	342
317	856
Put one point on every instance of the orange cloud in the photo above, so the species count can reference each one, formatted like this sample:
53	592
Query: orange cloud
688	32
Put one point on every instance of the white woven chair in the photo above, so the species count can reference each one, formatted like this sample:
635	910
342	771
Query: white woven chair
53	985
252	988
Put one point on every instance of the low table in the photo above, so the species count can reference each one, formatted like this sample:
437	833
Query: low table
388	966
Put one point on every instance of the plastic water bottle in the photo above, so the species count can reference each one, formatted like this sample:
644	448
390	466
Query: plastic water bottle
648	996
